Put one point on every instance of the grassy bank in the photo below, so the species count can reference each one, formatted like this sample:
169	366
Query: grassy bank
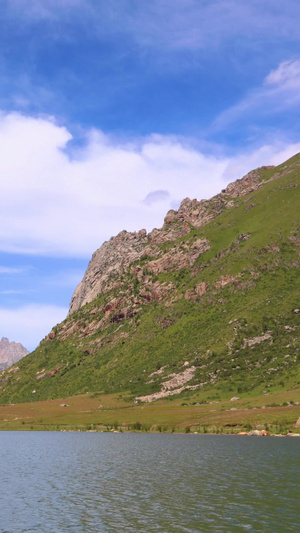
276	412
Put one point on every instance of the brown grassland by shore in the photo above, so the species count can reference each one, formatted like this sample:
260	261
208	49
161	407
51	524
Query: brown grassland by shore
278	413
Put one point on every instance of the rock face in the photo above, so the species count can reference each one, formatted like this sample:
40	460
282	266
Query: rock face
10	353
107	263
116	255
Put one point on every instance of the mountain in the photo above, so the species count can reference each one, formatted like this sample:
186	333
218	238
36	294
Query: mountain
209	302
10	353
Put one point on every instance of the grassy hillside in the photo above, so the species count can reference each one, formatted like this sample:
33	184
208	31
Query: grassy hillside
229	322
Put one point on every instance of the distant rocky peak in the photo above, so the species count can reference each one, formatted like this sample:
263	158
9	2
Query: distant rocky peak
10	353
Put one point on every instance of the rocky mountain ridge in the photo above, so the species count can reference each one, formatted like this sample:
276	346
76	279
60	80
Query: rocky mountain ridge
112	259
10	353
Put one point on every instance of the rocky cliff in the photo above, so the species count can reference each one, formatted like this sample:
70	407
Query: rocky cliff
10	353
114	257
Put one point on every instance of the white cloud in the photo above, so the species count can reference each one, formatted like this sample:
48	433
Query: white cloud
272	154
12	291
279	91
286	76
57	204
53	203
31	323
10	270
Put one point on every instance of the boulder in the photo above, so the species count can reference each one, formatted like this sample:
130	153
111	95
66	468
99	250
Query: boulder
258	433
255	433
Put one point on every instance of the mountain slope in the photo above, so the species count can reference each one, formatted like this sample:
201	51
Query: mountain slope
209	301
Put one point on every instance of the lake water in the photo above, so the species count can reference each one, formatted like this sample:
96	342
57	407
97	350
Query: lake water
103	482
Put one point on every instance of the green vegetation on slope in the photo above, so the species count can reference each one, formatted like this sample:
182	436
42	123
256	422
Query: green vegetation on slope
232	315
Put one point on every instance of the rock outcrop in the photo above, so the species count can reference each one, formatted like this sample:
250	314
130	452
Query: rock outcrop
115	256
10	353
107	264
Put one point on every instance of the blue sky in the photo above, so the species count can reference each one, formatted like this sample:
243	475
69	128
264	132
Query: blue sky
112	112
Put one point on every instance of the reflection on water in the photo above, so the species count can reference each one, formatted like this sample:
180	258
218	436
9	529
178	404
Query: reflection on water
101	482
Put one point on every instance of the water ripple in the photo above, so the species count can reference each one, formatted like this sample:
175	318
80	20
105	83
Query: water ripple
94	483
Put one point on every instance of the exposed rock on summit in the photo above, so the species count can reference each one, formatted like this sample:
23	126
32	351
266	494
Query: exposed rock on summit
107	263
114	257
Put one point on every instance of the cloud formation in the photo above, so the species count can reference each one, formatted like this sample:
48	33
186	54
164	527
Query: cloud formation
156	196
65	199
171	24
9	270
278	92
286	76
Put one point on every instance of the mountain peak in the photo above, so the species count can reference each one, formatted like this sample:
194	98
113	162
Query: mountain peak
112	259
10	353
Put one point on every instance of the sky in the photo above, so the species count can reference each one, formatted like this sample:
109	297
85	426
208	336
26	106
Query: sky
114	111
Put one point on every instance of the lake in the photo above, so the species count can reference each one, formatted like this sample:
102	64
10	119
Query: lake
104	482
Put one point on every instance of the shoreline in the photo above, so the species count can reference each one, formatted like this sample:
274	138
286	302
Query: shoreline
254	433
